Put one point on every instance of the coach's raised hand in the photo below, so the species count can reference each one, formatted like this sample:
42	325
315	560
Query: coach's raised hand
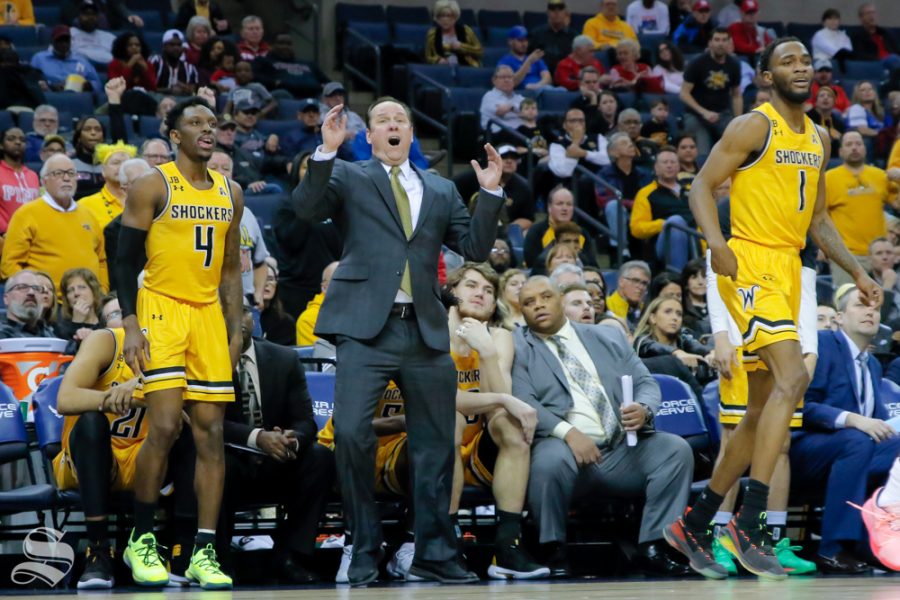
489	177
334	129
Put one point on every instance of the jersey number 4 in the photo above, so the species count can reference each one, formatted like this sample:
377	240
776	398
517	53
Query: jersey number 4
203	242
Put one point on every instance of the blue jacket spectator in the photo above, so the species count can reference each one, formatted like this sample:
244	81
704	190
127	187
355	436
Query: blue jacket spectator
362	150
58	62
693	34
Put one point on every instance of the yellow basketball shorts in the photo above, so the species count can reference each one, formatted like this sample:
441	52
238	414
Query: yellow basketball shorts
734	393
764	301
121	478
188	348
387	478
479	456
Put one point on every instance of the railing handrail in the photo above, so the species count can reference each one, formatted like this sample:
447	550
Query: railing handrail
622	236
348	68
446	129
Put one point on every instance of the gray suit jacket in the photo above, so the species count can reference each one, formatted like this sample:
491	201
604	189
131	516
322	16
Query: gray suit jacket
358	197
539	380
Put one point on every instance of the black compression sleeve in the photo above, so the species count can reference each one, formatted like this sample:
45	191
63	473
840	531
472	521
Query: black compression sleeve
129	262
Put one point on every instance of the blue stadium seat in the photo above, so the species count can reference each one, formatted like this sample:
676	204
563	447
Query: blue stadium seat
611	279
498	18
148	127
321	390
48	423
377	33
443	74
711	401
466	99
890	395
48	15
263	206
6	121
532	19
73	105
864	69
555	100
411	36
27	52
492	56
418	15
776	26
516	241
20	36
287	109
578	20
496	37
679	413
304	351
153	39
804	31
279	128
626	99
152	19
14	447
824	289
344	13
650	41
474	76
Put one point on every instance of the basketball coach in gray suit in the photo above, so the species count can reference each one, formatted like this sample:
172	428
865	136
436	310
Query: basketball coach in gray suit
384	314
570	373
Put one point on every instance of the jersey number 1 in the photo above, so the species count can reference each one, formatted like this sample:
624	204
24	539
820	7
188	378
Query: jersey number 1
802	190
203	242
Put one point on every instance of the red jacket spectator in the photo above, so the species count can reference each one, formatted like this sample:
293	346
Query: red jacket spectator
748	39
568	70
841	101
145	78
17	186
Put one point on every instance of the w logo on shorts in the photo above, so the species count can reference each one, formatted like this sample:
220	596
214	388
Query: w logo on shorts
748	296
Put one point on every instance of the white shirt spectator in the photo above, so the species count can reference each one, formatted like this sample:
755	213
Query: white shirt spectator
96	45
672	80
826	43
563	166
494	98
648	20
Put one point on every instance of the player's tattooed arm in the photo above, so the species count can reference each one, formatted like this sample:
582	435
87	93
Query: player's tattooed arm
230	288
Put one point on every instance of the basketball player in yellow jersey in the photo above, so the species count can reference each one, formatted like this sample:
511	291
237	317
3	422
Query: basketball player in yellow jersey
776	158
103	430
495	429
183	329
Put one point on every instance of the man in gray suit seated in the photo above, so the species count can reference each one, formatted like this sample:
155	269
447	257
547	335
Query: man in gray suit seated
570	372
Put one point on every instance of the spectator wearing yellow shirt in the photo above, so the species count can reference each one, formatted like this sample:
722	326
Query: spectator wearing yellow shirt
660	205
53	233
893	164
17	12
306	323
606	28
855	195
627	301
109	202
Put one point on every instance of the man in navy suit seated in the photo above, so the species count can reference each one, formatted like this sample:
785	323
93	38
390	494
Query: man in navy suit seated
845	441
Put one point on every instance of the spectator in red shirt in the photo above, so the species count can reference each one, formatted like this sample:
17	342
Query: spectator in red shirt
823	77
872	42
129	61
569	68
749	38
252	44
18	183
630	74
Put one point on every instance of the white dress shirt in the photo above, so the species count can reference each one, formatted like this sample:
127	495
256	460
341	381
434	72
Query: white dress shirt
563	166
583	413
868	405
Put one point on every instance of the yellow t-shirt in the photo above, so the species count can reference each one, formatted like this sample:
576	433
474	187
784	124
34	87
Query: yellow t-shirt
773	196
608	33
103	205
856	205
643	225
306	322
18	12
42	238
894	159
617	305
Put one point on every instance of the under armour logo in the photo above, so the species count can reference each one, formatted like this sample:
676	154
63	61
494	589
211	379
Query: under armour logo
178	188
748	296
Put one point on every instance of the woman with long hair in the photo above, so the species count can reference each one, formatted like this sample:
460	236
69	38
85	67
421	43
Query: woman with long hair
560	254
47	297
89	132
660	333
198	31
278	326
130	53
669	66
81	303
866	114
511	283
664	285
693	285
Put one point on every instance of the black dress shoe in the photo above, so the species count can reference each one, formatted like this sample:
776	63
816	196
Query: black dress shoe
654	559
557	560
842	563
364	568
293	572
445	571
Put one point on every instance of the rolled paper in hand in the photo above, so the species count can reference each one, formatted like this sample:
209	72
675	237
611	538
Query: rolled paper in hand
628	399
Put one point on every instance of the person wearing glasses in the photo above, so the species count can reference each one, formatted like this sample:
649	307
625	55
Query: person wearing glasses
53	233
627	302
23	308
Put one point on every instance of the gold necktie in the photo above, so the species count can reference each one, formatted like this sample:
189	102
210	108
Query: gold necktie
402	201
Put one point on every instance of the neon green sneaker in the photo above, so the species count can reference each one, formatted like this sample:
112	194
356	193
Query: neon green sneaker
205	570
142	557
723	557
792	564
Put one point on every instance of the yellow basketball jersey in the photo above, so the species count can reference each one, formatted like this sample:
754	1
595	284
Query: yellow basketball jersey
390	405
186	243
468	379
773	196
125	430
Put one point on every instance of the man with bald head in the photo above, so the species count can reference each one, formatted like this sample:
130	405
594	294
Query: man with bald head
23	309
53	233
571	373
306	323
384	314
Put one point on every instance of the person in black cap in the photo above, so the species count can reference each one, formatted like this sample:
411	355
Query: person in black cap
112	14
308	135
333	94
555	37
88	39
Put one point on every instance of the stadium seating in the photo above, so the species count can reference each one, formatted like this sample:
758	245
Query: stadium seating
279	128
679	413
556	101
501	19
345	13
411	37
20	36
153	20
287	109
263	206
48	423
13	447
6	120
862	69
474	77
492	56
321	390
890	395
48	15
417	15
148	127
71	105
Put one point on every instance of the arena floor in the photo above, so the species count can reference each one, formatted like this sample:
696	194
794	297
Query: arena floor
815	588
